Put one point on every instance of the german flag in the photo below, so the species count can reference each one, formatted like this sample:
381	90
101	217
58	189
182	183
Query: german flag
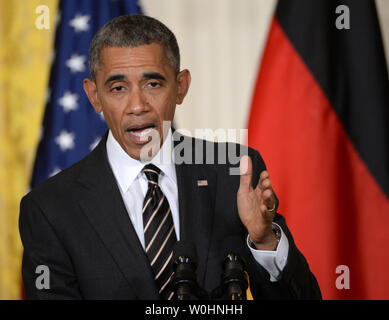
320	118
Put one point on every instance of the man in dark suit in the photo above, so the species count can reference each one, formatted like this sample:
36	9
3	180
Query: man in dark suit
105	227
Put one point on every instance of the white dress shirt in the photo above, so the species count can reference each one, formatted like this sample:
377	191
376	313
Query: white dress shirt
133	186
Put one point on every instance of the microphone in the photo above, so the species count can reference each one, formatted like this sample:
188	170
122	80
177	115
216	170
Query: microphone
184	280
234	282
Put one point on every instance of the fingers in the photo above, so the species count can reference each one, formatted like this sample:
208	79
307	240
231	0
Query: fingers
264	180
268	199
246	172
266	191
263	190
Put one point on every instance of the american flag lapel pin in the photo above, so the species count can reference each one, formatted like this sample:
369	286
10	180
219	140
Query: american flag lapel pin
202	183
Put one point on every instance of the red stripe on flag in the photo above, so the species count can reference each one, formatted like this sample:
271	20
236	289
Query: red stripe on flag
332	204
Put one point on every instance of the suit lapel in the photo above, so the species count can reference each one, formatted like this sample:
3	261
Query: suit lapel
102	203
104	207
196	194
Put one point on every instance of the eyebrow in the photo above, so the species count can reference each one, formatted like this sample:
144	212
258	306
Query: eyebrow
114	77
153	75
146	75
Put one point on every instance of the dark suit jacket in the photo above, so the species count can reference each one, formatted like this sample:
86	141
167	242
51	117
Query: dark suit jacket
76	224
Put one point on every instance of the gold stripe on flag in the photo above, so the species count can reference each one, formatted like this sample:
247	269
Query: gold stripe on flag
25	51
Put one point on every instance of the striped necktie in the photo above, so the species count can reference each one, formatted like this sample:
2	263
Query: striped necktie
158	228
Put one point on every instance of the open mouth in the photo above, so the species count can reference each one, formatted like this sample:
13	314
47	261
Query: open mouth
141	134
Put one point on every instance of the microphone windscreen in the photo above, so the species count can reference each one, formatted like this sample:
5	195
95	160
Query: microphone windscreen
185	249
233	245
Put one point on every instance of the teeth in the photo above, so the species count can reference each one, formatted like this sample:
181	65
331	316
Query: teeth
143	134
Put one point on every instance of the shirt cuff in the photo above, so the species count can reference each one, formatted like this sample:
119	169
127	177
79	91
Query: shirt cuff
273	261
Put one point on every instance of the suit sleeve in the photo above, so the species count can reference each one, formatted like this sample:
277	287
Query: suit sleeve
46	268
296	279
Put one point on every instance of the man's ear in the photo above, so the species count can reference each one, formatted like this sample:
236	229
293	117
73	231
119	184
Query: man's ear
91	91
183	83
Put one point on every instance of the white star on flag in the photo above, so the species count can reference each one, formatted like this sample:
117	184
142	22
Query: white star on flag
65	140
76	63
80	22
68	101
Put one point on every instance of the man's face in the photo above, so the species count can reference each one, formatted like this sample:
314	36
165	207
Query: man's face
137	90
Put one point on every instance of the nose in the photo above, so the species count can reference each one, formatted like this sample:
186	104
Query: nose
137	102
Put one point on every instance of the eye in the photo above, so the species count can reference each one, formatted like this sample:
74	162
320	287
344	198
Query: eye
154	84
117	89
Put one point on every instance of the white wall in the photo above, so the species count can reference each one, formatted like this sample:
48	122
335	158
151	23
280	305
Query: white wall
221	43
383	15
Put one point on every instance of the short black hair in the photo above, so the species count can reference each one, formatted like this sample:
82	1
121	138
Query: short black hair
133	30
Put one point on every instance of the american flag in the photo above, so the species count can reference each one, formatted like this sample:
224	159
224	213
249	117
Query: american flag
202	183
71	128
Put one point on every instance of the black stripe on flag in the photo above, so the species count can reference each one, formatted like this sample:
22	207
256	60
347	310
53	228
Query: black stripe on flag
350	67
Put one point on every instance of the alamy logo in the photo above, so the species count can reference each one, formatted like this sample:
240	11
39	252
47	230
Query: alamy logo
43	20
197	152
342	281
343	20
43	280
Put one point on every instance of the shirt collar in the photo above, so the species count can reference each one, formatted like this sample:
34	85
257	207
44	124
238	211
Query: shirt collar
127	169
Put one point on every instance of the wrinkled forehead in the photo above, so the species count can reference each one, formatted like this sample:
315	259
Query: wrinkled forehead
143	55
134	62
